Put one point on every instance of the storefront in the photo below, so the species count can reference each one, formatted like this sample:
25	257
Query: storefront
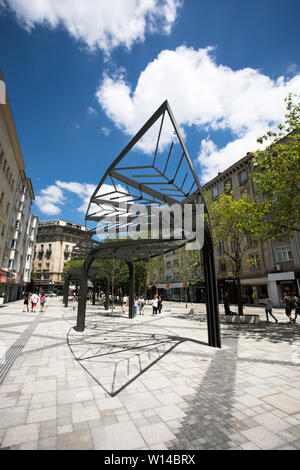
254	290
281	283
3	279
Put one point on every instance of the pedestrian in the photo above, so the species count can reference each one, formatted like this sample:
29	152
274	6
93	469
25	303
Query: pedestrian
159	304
42	302
34	301
268	310
288	301
74	302
136	303
227	304
26	301
155	305
141	305
297	307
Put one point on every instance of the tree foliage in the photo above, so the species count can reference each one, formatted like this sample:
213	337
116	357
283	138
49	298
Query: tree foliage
276	173
189	263
235	223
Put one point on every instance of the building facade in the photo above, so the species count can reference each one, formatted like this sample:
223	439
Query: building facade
16	196
275	265
54	244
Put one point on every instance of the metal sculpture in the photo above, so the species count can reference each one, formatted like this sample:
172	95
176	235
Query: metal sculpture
154	170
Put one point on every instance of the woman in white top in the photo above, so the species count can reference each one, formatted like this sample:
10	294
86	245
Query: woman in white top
155	305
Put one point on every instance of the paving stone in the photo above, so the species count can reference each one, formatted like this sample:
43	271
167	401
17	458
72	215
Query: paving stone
78	440
121	436
20	434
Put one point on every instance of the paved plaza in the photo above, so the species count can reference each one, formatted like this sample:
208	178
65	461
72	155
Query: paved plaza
149	383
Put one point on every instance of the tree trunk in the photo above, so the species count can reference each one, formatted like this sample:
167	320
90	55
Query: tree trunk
112	298
185	290
239	296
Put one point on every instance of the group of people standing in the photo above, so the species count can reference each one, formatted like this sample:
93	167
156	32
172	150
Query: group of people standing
139	304
157	304
33	300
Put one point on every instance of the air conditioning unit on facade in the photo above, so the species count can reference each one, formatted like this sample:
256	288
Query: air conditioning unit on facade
277	267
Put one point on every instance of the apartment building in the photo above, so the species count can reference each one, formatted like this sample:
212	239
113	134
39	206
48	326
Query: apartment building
16	195
54	244
274	267
32	228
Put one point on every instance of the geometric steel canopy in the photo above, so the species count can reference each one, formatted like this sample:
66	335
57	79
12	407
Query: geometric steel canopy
153	170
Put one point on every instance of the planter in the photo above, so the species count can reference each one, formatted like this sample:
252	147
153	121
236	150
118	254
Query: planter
240	318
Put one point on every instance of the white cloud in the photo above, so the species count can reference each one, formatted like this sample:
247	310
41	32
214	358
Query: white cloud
49	200
99	23
106	131
202	93
82	190
92	111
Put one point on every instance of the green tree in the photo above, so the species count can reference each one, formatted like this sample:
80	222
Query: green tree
116	271
235	223
188	262
156	269
276	173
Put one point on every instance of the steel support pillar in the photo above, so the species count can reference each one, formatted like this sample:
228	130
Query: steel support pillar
212	306
66	291
131	289
83	293
94	293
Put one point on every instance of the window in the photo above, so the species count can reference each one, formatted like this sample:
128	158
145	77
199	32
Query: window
228	185
11	264
47	265
7	208
222	267
284	254
243	177
234	247
3	230
220	248
1	198
215	192
4	165
254	263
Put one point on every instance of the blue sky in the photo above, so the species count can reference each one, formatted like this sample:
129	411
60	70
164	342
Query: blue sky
82	77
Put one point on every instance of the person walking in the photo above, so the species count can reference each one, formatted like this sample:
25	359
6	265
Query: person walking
296	301
268	310
136	303
34	301
155	305
74	302
159	304
288	301
42	302
26	301
141	305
